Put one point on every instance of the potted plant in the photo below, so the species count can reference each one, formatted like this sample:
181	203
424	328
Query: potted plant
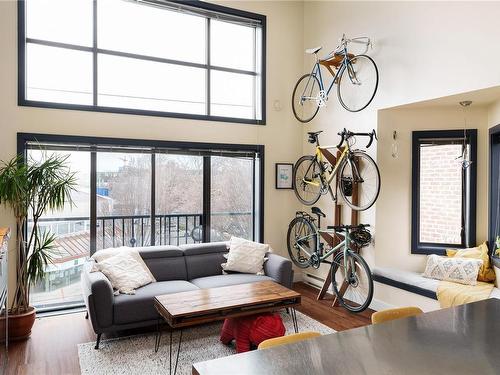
29	189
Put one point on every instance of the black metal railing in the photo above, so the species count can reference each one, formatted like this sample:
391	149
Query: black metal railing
135	230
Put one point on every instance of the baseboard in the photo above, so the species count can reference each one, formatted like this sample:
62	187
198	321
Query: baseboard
378	305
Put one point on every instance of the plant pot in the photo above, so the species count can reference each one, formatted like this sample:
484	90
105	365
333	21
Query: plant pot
20	324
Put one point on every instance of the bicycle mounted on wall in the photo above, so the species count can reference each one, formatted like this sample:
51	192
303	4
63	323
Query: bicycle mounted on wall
354	169
356	78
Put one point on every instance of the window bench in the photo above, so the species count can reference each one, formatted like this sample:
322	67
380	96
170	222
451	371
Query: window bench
412	282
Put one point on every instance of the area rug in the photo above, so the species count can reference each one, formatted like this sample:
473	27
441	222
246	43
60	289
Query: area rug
135	354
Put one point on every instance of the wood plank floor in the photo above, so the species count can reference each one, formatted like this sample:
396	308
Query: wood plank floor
52	348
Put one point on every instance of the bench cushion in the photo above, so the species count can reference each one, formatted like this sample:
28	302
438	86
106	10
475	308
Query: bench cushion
139	306
226	280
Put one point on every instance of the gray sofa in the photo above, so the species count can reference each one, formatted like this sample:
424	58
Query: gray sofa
176	269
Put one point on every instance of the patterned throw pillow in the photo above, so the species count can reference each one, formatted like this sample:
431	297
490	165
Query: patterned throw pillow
459	270
486	272
245	256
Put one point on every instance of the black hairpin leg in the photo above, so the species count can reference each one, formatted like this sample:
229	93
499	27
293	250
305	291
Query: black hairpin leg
178	351
98	341
86	315
294	319
158	335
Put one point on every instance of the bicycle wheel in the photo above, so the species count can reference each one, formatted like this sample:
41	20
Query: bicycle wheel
354	288
358	83
359	187
307	182
305	98
301	241
197	233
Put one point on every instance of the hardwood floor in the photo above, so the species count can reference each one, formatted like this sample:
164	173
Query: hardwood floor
52	348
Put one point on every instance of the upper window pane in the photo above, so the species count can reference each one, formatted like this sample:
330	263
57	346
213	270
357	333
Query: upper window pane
232	95
64	21
145	30
58	75
140	84
232	45
441	193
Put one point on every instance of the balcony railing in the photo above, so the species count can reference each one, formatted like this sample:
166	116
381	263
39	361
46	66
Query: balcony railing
73	233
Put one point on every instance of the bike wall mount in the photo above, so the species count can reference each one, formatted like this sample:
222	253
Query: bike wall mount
335	240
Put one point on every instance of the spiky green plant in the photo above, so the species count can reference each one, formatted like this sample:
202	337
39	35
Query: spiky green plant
30	189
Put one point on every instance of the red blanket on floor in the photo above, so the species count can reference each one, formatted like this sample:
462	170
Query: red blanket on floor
251	330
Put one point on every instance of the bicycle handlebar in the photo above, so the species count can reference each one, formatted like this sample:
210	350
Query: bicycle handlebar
340	228
346	134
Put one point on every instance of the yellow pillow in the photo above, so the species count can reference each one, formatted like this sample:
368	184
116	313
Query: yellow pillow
486	273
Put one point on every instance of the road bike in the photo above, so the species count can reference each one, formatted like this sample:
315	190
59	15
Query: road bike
358	177
351	277
356	78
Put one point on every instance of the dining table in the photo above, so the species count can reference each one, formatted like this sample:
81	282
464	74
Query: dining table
463	339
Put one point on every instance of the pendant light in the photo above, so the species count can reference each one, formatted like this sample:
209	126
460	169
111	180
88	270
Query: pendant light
465	157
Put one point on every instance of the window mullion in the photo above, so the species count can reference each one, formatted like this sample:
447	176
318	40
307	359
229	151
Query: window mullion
94	51
208	66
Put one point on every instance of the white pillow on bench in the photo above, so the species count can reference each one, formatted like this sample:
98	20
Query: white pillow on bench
458	270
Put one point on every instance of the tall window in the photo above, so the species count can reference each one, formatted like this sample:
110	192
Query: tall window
143	193
444	190
153	57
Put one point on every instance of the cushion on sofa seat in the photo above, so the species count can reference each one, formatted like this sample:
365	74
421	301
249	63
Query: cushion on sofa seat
226	280
140	307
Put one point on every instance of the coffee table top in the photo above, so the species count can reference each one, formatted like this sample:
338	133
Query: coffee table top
198	306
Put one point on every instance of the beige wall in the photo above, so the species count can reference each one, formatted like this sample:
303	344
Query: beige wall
281	136
393	215
423	51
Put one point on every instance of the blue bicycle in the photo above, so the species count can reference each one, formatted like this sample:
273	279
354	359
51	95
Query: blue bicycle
356	78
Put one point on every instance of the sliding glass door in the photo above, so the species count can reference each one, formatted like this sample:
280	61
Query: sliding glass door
145	194
123	199
71	225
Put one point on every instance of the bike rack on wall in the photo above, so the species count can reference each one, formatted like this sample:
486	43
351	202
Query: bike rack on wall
334	240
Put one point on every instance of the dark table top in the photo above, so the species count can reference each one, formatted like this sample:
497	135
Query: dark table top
458	340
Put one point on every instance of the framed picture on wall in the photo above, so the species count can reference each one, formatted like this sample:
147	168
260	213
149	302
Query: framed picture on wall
284	172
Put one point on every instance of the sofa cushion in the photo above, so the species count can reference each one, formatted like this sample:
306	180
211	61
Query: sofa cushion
205	248
226	280
140	307
165	262
152	252
204	265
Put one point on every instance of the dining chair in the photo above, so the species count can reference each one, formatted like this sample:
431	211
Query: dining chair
397	313
283	340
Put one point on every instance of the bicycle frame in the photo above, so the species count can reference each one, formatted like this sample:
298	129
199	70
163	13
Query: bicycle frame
316	72
345	244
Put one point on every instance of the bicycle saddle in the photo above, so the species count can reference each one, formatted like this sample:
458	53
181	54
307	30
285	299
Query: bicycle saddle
317	211
313	50
313	136
315	133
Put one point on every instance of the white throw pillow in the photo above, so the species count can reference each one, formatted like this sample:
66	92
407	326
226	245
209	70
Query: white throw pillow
102	255
245	256
459	270
124	272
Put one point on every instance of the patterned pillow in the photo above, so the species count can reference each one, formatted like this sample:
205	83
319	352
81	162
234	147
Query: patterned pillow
459	270
245	256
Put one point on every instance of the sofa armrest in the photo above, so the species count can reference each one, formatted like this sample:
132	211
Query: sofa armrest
98	296
280	269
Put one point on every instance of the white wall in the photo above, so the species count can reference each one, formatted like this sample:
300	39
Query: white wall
423	50
281	136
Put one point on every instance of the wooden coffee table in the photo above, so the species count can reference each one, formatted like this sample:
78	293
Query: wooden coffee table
186	309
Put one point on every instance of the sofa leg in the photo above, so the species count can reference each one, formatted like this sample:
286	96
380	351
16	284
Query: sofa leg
98	341
87	315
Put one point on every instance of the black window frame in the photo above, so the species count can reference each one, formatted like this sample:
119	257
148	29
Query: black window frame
468	234
207	7
493	204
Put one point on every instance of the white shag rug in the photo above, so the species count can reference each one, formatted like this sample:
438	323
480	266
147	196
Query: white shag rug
135	354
